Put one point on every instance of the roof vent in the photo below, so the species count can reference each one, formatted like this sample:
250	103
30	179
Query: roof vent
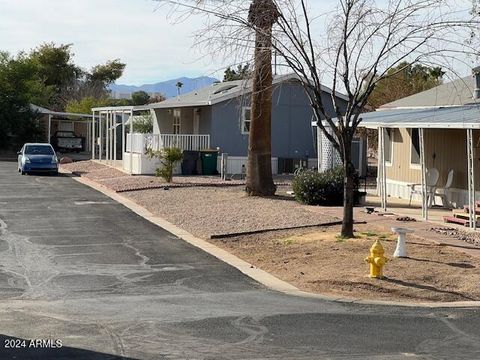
476	91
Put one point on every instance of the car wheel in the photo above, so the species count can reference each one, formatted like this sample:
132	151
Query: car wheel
54	173
22	172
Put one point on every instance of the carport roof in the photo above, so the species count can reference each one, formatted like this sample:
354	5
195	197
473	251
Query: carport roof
120	109
45	111
454	117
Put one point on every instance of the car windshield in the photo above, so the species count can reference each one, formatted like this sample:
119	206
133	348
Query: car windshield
39	150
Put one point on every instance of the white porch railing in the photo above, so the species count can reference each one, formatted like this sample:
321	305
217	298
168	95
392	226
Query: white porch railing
142	142
186	142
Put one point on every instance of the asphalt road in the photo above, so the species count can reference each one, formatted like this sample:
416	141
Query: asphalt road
78	267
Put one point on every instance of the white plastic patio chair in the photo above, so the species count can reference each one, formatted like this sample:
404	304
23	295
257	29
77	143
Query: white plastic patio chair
431	180
443	193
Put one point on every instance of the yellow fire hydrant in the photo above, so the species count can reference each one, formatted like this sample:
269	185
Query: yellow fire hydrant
376	260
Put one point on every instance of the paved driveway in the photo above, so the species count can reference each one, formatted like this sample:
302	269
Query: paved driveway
78	267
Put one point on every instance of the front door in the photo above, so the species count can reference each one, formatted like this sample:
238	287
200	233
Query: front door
196	121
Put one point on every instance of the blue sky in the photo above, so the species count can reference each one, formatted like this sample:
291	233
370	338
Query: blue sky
135	31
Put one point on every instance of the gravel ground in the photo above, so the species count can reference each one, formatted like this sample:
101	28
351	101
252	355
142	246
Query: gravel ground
205	205
472	238
121	182
93	171
216	211
134	183
82	167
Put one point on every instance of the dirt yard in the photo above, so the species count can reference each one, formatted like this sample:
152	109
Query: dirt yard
319	261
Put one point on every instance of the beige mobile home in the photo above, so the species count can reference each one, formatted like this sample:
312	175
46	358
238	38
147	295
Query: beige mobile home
444	134
429	147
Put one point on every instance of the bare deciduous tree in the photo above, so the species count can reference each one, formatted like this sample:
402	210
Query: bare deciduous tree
352	47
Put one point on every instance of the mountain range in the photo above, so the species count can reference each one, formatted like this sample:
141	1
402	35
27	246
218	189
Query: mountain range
167	88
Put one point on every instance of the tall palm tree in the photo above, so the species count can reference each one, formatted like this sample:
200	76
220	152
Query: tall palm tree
179	86
262	15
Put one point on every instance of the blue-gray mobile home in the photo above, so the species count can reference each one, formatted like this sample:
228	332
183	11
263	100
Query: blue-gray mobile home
219	116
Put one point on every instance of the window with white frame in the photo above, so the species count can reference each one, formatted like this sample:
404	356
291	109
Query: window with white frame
246	119
388	147
414	147
177	121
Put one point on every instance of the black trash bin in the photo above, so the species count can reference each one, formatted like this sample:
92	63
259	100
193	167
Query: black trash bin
189	162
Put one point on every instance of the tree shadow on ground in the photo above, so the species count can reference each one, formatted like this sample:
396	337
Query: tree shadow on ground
26	350
457	265
427	287
471	247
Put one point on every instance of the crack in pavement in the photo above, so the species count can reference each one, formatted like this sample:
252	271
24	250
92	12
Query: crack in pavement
27	261
38	272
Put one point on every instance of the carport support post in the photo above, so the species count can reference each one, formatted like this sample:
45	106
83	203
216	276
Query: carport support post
123	133
100	135
384	173
382	176
93	135
109	126
109	137
107	152
379	166
106	136
423	167
131	142
49	128
88	136
112	134
115	138
471	181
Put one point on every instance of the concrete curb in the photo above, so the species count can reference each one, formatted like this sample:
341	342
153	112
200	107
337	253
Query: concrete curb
250	270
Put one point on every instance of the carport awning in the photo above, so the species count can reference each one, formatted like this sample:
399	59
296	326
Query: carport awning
45	111
455	117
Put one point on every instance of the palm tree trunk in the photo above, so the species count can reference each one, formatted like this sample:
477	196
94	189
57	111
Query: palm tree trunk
263	14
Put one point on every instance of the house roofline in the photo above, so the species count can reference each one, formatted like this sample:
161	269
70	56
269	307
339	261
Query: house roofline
243	89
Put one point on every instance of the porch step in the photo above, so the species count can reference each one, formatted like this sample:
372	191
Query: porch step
466	208
455	220
460	214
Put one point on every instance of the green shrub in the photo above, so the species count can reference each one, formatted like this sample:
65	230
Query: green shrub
313	188
168	157
143	124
